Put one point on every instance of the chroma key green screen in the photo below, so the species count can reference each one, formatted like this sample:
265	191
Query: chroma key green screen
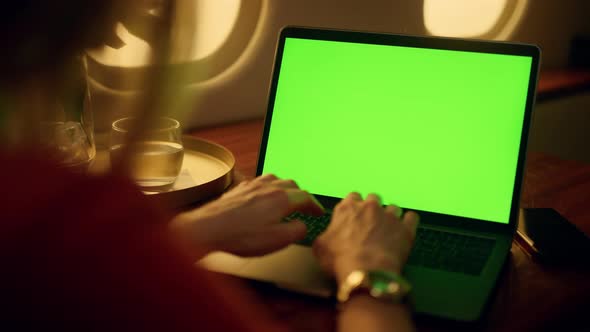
426	129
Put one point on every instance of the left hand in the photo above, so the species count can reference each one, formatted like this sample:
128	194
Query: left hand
363	235
246	221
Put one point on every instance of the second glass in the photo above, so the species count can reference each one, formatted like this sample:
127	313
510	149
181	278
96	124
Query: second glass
156	159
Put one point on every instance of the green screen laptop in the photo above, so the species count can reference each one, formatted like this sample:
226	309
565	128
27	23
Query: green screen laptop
434	125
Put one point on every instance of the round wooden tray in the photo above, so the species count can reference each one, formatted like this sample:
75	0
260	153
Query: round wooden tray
207	170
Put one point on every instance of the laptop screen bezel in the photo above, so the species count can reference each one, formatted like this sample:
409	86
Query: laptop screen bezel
440	43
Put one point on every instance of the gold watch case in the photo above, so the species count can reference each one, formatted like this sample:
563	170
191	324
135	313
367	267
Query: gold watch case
377	283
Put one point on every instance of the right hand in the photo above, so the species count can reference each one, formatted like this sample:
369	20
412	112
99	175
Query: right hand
364	235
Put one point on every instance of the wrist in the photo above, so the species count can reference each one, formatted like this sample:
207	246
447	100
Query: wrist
366	313
365	300
192	233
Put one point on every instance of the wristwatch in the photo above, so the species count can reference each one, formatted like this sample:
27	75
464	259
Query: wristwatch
379	284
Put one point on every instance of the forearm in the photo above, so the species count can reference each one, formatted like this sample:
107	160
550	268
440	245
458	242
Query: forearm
367	314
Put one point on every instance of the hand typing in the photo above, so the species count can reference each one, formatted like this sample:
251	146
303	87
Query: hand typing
364	235
247	220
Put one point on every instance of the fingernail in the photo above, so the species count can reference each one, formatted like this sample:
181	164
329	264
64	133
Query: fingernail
398	211
299	228
300	222
296	196
374	196
315	200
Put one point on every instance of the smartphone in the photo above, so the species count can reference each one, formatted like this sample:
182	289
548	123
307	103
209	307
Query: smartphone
550	238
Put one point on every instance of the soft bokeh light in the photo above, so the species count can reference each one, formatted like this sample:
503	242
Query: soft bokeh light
468	18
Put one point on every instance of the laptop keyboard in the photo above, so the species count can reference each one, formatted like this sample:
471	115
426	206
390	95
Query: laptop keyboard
316	225
433	248
450	251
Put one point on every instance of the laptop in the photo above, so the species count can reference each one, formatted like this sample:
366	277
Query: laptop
434	125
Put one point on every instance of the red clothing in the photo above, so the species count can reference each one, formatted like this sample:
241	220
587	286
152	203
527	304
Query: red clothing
90	253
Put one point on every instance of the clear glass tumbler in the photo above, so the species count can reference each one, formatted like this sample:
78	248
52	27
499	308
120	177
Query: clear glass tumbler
156	159
67	128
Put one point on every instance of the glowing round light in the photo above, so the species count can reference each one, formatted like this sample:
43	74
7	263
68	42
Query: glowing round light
468	18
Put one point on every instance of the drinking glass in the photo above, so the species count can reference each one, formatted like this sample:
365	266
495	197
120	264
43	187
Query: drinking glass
155	160
67	127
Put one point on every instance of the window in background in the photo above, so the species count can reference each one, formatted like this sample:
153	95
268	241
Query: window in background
135	52
214	22
487	19
207	37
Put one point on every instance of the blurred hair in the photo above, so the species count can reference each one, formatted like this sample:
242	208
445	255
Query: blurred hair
38	36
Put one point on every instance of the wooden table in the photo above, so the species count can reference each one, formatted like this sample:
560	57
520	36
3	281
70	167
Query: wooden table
530	297
559	83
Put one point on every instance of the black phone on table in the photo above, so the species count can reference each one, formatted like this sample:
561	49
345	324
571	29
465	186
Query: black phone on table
550	238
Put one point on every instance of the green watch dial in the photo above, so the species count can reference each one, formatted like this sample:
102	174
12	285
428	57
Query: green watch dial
384	283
